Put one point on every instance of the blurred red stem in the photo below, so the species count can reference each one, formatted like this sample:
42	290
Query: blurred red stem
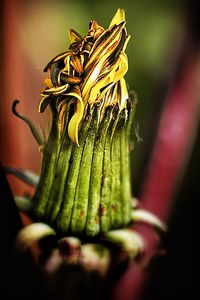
176	133
174	141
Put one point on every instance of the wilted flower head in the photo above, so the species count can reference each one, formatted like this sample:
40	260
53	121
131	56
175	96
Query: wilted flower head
86	190
91	71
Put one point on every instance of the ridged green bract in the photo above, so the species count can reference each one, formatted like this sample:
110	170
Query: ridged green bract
85	189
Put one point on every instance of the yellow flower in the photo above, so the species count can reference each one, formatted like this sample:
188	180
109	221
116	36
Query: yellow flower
91	71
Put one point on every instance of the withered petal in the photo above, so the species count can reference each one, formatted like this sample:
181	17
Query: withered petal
104	42
56	90
74	36
69	79
43	103
76	63
118	17
57	58
75	121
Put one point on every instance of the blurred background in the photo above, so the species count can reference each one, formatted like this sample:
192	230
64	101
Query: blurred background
32	32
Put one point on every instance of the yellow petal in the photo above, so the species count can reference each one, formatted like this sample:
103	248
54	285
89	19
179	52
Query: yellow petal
89	81
75	121
62	112
118	71
124	93
67	78
122	67
74	36
92	76
95	26
75	61
104	42
75	92
96	29
118	17
56	90
126	42
105	90
57	58
48	83
43	103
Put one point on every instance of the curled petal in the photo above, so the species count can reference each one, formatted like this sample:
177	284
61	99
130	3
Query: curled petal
126	42
96	63
74	36
56	90
62	108
95	29
75	61
124	93
76	118
118	71
94	26
69	79
104	42
57	58
122	67
92	77
43	103
48	83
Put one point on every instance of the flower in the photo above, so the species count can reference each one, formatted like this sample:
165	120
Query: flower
85	185
91	71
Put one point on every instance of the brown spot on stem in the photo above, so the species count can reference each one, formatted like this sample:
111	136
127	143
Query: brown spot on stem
102	211
82	214
114	207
